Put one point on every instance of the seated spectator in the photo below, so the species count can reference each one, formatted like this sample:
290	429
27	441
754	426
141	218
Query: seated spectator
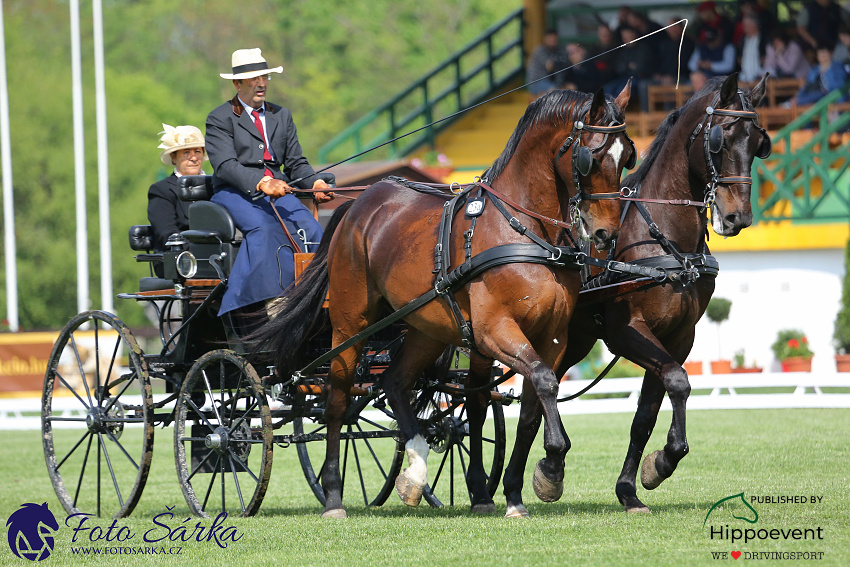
766	21
622	21
714	57
634	60
709	19
605	63
643	26
818	22
182	148
826	75
751	50
674	61
842	51
784	59
546	59
580	76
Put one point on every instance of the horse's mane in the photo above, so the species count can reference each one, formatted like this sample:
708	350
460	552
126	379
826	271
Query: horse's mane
559	108
712	85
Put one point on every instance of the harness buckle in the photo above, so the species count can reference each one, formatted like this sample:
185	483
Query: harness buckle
627	192
580	258
553	258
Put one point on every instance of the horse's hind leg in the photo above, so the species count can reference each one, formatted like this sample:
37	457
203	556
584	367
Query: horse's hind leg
530	415
480	372
398	381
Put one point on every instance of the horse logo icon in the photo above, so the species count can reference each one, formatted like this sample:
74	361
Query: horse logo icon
31	531
732	498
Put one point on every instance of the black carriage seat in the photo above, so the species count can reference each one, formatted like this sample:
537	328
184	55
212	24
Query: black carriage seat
211	228
141	240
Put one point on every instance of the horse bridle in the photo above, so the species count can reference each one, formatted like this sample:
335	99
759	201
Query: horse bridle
582	161
713	143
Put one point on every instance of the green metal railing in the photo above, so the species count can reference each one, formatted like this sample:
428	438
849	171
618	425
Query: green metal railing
490	62
811	182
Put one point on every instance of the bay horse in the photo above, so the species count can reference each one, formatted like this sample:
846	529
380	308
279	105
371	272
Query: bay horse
562	162
700	160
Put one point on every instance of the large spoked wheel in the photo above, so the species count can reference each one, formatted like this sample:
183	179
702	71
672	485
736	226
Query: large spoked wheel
96	418
446	423
223	436
370	450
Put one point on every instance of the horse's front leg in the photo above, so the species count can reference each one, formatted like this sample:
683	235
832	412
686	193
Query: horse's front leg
530	416
664	374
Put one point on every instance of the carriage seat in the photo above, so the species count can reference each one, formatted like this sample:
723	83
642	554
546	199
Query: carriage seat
141	240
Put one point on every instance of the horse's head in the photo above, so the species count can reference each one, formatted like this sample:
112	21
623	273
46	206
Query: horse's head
723	146
594	155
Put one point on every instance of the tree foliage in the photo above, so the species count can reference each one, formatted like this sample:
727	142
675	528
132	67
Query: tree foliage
340	58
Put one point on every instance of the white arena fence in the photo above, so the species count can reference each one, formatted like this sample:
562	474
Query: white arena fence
611	395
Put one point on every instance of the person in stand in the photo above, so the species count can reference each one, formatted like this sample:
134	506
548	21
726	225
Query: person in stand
714	57
751	50
254	150
784	58
825	75
818	22
582	75
546	59
183	149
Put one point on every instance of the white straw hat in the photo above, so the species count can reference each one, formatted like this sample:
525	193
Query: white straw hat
249	63
178	138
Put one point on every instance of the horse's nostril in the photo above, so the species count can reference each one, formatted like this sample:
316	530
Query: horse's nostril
601	235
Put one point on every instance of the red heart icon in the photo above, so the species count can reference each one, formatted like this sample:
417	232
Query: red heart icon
736	554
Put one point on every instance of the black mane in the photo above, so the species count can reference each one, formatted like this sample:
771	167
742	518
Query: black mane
559	108
712	85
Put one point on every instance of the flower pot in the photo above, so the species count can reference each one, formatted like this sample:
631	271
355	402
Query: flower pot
797	364
438	172
746	370
693	367
721	366
842	362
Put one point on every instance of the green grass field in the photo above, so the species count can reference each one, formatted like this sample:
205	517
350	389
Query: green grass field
761	453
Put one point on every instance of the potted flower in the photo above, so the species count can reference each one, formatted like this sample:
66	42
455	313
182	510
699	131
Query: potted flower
435	163
717	312
739	364
792	350
842	320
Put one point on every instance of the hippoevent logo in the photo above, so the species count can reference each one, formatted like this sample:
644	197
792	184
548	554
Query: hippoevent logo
727	521
33	526
31	530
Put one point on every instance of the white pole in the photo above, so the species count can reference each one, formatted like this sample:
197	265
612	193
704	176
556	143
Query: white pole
79	161
10	246
102	162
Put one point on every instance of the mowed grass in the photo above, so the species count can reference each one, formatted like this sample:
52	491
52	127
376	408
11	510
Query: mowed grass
760	453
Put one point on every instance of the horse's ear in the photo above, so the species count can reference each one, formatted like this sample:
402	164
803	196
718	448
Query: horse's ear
729	90
597	107
757	92
622	99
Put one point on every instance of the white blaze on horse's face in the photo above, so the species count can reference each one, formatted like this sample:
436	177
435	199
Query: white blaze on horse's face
417	455
616	150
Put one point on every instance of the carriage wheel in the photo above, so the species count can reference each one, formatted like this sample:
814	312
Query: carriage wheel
445	420
170	319
370	452
223	436
96	417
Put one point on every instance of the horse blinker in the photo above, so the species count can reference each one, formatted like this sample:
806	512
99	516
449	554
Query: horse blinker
715	139
584	160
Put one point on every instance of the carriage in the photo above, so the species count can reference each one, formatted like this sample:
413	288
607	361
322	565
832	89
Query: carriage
103	396
227	418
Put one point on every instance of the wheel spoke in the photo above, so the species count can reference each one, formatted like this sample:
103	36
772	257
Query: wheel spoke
111	470
80	366
123	450
372	451
115	398
73	391
359	472
198	411
212	396
111	363
234	408
74	448
83	469
212	482
200	464
236	482
235	457
372	423
440	469
242	418
345	461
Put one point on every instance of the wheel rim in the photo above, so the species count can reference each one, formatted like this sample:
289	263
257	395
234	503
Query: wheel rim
97	414
223	436
445	421
370	451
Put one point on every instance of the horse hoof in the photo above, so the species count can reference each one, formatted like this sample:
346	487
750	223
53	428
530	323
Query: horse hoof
638	510
649	477
410	493
484	508
545	489
517	511
336	513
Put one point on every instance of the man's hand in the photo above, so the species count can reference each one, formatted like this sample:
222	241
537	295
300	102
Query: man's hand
320	196
274	187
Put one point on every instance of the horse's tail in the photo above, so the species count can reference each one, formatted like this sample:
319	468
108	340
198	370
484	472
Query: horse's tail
299	315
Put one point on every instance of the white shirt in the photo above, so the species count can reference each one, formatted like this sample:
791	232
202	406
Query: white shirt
751	69
262	112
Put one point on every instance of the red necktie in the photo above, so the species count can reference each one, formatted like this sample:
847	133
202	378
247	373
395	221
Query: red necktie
266	155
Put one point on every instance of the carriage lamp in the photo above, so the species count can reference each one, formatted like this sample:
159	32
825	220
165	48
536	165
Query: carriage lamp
187	264
176	242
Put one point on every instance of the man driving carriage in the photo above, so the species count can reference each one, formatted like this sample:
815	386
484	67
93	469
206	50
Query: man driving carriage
254	150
